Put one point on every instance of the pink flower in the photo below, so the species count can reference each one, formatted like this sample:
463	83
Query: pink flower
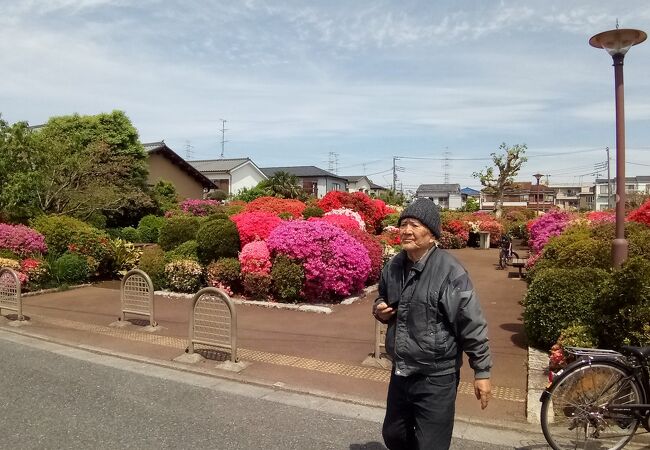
21	240
255	225
255	258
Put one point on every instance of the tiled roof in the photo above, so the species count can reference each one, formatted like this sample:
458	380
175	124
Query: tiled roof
469	191
218	165
637	179
445	188
300	171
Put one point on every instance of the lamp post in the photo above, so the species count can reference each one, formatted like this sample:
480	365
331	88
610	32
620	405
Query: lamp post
617	42
537	176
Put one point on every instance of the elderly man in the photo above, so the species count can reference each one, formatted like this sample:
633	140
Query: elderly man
433	316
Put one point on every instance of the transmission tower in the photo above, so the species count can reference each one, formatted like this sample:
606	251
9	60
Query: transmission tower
445	166
333	163
223	135
188	150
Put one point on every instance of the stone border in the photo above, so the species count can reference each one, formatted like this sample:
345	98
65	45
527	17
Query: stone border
57	289
537	381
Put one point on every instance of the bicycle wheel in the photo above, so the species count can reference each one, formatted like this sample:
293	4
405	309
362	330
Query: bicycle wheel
502	260
575	414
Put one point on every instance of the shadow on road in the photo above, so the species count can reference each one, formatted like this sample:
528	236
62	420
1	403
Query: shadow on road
519	334
368	446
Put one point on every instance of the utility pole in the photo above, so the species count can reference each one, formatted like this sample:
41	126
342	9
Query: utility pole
609	182
223	135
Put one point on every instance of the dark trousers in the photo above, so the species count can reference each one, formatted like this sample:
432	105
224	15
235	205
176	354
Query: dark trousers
420	412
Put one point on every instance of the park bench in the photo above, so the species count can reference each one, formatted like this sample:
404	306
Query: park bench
519	263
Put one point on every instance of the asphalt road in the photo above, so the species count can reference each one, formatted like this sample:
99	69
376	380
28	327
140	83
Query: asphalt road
58	397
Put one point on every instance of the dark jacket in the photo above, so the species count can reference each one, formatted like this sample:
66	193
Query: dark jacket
438	317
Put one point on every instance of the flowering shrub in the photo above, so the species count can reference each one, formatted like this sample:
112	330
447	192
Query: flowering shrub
641	214
34	269
375	253
198	207
10	263
62	231
184	275
348	213
345	222
21	240
335	263
224	273
277	206
450	240
257	285
255	225
255	258
356	201
600	216
543	228
287	278
390	236
382	209
459	229
494	228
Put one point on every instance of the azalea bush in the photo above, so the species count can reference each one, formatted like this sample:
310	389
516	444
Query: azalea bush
287	279
277	206
255	258
225	274
356	201
199	207
546	226
256	285
255	225
375	253
459	229
347	223
641	214
22	240
184	275
63	234
449	240
347	212
335	263
36	270
217	238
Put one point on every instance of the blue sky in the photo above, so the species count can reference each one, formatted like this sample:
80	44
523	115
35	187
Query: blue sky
366	80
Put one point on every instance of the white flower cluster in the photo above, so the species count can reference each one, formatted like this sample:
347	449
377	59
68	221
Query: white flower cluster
350	213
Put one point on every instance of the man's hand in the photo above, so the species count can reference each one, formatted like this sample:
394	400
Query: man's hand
483	391
382	311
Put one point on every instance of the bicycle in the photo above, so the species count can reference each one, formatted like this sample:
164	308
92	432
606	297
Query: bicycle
599	400
506	254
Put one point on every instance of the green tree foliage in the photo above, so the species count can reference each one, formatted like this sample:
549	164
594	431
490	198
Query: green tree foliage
507	165
470	205
284	185
74	165
164	196
392	198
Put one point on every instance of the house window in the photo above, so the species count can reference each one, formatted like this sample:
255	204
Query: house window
603	189
222	185
336	187
311	187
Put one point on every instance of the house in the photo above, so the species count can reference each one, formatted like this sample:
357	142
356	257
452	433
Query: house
230	175
573	196
165	165
634	186
447	196
375	189
358	183
522	194
314	181
467	192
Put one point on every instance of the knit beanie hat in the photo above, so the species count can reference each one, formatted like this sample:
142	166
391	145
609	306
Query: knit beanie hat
426	212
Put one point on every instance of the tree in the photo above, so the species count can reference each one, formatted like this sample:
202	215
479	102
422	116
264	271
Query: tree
508	165
391	197
75	165
470	205
284	185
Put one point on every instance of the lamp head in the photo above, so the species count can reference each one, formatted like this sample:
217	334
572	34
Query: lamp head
619	41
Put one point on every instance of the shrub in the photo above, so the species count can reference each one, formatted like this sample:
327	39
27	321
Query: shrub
130	234
255	225
347	212
346	223
224	273
35	270
152	262
641	214
623	312
197	207
578	335
123	256
375	252
21	240
312	211
149	228
335	263
70	268
218	195
10	263
356	201
184	275
546	226
257	285
63	232
277	206
255	258
178	229
557	298
287	278
187	250
450	240
390	220
216	239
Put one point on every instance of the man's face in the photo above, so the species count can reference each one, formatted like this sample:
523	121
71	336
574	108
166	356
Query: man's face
414	235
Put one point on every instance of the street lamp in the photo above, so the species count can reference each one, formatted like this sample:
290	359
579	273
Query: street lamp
617	43
537	176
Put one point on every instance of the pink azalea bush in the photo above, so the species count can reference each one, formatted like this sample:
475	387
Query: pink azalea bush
600	216
255	225
255	258
198	207
335	263
21	240
34	269
278	206
348	213
345	222
540	230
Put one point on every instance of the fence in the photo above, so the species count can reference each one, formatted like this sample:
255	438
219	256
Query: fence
213	321
137	295
10	295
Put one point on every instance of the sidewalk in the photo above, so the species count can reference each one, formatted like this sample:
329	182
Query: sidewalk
299	351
